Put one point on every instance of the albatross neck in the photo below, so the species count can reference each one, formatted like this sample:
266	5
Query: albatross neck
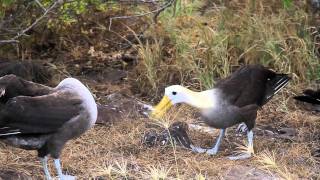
202	100
83	92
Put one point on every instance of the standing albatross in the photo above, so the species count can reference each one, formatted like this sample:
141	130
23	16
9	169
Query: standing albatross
234	100
37	117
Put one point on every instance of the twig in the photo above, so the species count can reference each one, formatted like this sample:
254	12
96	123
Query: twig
162	9
42	7
157	11
21	33
8	41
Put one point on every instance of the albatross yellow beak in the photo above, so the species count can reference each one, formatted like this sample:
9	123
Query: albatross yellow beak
162	107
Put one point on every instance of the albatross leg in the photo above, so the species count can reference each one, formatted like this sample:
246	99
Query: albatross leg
59	170
215	149
250	150
44	162
242	128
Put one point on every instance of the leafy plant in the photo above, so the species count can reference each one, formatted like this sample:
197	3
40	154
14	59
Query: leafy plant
287	3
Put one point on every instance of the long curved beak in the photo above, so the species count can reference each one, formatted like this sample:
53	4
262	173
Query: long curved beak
162	107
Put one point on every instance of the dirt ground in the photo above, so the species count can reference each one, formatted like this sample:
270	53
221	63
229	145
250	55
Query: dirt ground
286	140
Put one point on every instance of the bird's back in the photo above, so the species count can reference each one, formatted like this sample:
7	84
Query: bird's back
251	84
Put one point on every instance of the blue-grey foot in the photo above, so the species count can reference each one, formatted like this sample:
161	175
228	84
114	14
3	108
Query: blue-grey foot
242	128
67	177
240	156
197	149
249	150
59	170
214	150
44	162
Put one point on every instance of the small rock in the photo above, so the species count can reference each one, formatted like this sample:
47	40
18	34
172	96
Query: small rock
287	133
177	131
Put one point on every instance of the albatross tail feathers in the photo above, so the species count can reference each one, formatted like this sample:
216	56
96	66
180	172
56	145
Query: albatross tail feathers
307	99
274	85
6	131
309	96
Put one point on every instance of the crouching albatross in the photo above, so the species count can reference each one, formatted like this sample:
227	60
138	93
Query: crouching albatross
234	100
37	117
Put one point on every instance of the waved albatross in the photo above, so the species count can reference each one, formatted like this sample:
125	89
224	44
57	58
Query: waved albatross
37	117
312	97
234	100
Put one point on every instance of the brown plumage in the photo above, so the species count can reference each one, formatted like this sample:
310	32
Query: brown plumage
233	100
37	117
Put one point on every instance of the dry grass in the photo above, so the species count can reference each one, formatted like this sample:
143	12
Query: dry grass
196	49
116	152
191	49
269	162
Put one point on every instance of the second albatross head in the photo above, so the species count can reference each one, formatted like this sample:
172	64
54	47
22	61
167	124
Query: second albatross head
178	94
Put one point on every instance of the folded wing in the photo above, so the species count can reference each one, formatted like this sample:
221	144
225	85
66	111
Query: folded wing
38	115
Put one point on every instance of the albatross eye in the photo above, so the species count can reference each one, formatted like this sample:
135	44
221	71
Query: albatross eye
174	93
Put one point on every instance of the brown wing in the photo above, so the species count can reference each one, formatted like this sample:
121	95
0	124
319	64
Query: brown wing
16	86
252	84
41	114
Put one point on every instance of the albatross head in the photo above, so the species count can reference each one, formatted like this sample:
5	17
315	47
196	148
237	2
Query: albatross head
178	94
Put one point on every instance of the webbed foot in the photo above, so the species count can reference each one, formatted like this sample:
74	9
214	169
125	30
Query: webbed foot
59	170
197	149
240	156
67	177
212	151
241	129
